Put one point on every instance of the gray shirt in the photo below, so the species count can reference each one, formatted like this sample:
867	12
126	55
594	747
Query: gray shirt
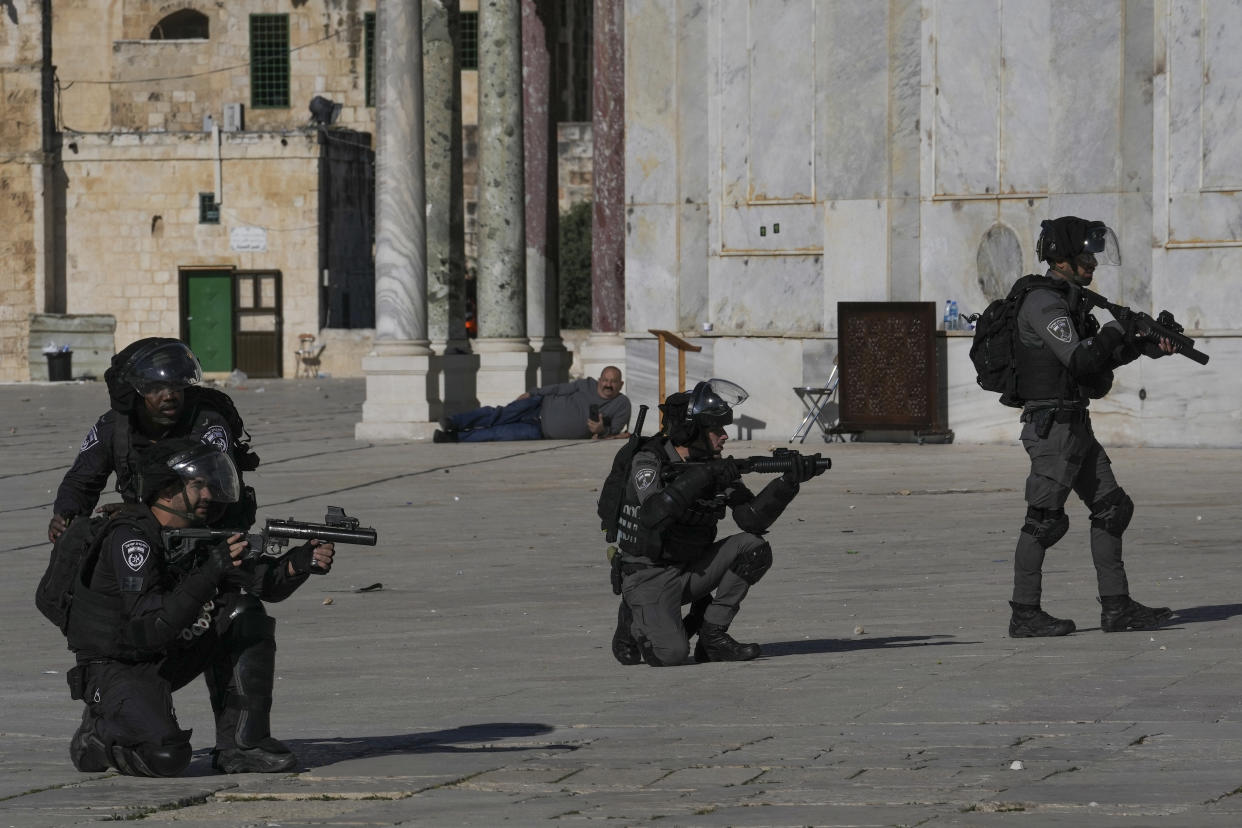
566	406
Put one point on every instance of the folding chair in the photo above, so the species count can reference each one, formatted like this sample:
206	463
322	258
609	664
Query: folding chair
815	399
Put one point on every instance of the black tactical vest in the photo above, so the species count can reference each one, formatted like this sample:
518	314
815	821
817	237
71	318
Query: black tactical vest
97	621
1040	375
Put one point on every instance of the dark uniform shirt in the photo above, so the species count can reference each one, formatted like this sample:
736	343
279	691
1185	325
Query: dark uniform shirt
98	457
683	538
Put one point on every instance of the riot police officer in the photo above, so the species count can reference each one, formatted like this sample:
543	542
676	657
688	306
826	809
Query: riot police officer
155	392
143	624
1064	359
679	488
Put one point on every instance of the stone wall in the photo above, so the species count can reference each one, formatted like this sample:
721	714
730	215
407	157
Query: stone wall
791	156
170	85
23	167
133	202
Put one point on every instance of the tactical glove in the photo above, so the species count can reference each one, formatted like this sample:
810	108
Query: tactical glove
218	563
724	472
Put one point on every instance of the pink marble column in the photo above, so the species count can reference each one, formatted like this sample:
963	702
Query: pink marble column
608	125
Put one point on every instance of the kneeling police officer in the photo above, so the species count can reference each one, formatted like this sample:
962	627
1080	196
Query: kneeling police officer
143	625
678	489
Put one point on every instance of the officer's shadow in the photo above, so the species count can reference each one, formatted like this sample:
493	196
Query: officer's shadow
841	645
1198	615
479	738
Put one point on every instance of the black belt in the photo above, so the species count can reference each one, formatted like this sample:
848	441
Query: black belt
1059	415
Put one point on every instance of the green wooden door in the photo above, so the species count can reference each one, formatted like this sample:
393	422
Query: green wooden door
209	319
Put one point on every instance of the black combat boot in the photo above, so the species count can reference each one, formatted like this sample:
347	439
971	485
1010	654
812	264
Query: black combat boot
715	644
624	647
1119	613
240	686
87	751
1029	621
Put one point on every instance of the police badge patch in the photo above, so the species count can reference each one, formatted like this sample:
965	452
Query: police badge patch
136	553
218	437
644	478
1061	328
92	438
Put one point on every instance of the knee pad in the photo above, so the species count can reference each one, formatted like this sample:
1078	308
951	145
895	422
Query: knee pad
1112	512
152	760
247	620
669	658
1046	526
751	564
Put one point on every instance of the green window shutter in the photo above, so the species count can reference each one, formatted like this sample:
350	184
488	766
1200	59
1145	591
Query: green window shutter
269	61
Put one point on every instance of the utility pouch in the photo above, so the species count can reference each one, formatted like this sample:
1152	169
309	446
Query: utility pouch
76	679
614	564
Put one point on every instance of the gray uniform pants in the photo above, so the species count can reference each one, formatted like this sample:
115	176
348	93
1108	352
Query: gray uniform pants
656	594
1069	458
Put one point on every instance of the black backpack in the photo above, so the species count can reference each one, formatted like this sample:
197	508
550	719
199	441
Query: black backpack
72	556
613	491
994	349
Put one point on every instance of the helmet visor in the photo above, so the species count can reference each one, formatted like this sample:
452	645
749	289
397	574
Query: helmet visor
211	469
715	398
170	365
1101	242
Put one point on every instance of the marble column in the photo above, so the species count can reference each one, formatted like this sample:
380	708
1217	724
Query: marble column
539	95
455	365
400	401
507	365
606	345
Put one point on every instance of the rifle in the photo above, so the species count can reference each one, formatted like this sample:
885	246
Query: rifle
337	527
781	460
1163	327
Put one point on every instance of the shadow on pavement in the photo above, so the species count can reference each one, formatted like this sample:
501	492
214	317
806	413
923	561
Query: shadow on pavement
1211	612
318	753
837	645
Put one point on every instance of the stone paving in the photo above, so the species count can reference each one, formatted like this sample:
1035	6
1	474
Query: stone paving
475	686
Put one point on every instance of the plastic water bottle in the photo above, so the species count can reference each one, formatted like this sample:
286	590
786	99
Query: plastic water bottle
950	314
953	311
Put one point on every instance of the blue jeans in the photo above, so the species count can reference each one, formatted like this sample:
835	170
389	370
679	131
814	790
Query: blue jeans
519	420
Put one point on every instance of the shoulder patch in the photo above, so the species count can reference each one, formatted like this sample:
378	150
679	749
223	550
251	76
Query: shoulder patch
216	436
1061	328
92	439
136	553
644	478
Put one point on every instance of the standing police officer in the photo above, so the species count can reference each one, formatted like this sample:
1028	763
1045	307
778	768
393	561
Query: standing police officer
678	489
1064	358
143	625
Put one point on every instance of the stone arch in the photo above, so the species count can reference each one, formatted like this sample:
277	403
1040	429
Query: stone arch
999	259
185	24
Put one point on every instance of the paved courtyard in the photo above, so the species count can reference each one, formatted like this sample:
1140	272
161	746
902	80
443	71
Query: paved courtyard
459	672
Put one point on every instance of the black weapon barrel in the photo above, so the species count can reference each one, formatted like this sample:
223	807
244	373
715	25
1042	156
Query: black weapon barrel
297	530
778	465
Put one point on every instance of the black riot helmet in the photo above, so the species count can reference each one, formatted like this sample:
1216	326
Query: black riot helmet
190	464
689	415
148	364
1067	238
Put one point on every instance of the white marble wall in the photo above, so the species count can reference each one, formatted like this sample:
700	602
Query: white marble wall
887	139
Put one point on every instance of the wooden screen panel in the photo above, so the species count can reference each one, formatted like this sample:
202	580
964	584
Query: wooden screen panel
889	376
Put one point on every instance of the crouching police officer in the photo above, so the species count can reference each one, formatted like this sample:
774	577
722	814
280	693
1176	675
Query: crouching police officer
1064	359
678	489
142	625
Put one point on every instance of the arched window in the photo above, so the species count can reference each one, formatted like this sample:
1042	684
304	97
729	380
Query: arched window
186	24
999	259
